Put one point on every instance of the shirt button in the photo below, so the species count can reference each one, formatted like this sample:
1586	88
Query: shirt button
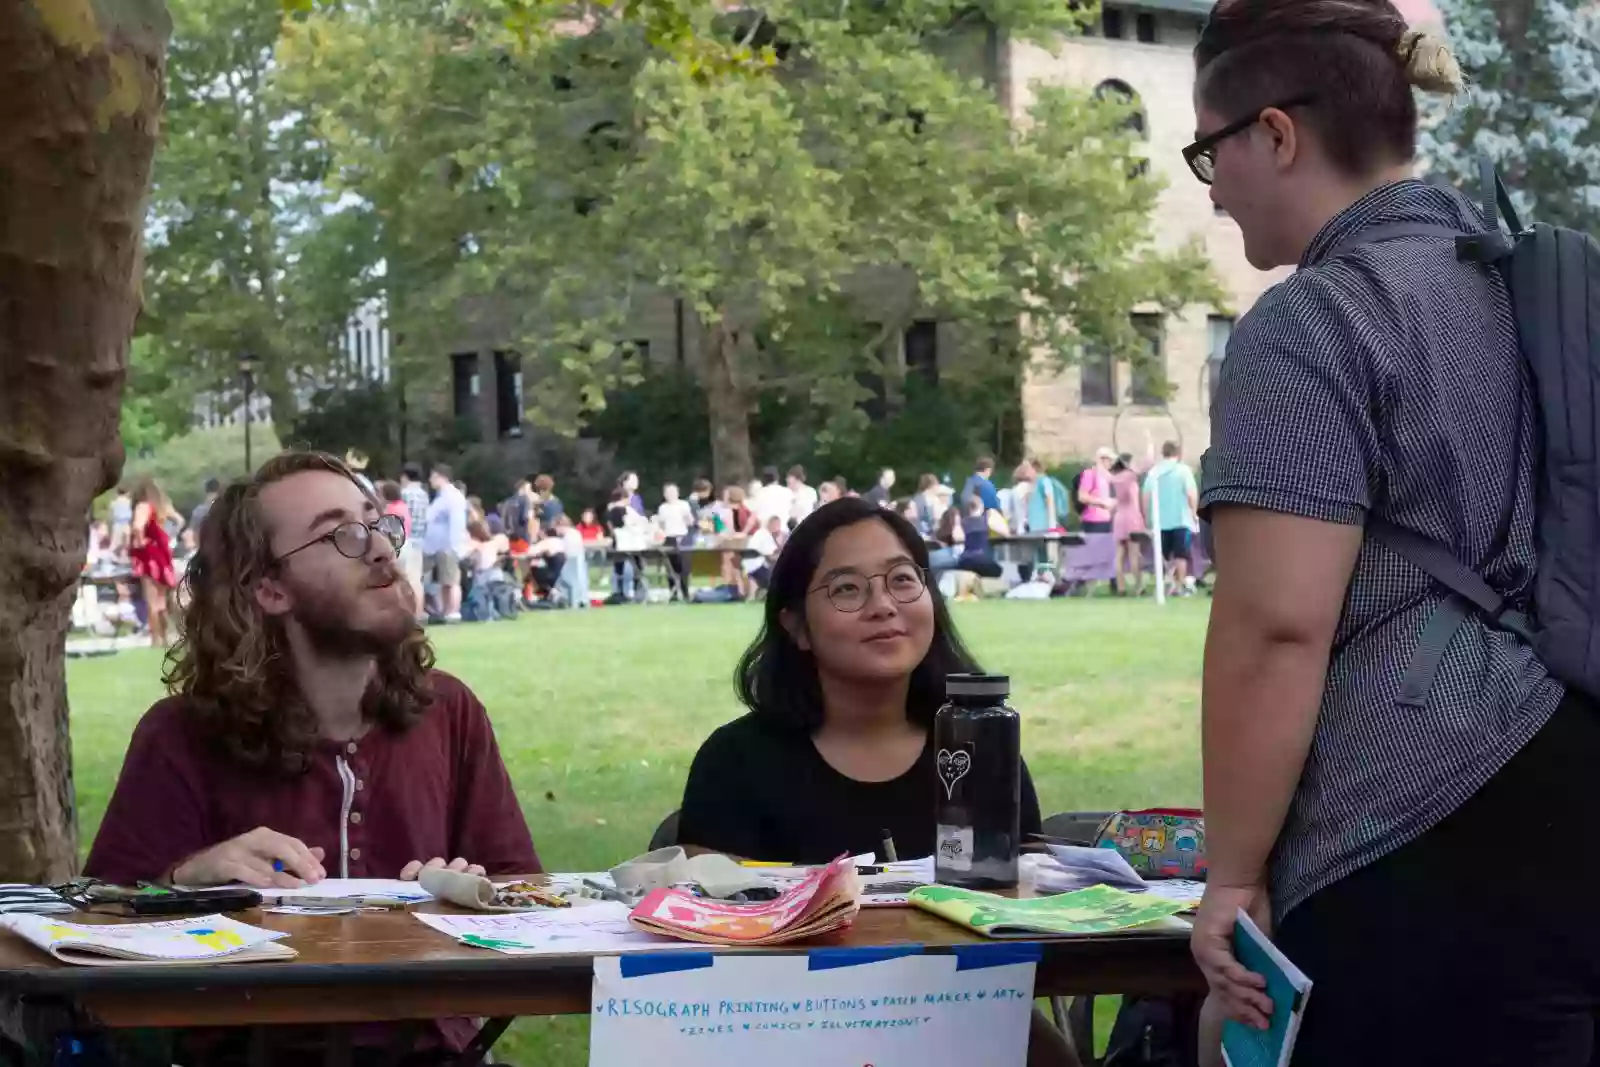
355	853
360	785
351	748
355	817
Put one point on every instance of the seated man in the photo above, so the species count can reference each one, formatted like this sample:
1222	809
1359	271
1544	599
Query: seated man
307	734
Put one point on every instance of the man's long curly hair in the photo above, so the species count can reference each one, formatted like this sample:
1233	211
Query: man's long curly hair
231	663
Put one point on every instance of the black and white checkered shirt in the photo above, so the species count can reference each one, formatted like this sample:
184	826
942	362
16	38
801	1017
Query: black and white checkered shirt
1385	379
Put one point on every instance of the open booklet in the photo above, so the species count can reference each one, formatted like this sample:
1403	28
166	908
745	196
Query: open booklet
1097	910
828	899
199	939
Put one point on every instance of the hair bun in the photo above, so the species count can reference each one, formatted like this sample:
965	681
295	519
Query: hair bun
1429	63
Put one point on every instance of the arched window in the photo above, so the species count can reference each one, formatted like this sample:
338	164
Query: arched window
1122	92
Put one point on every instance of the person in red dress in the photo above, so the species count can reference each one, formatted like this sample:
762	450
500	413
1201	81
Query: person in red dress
150	550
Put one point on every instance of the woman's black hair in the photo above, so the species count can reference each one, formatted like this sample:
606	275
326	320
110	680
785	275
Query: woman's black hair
777	679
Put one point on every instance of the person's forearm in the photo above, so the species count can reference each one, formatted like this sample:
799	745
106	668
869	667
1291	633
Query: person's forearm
1260	700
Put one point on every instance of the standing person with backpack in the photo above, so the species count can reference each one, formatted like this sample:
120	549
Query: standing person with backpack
1377	753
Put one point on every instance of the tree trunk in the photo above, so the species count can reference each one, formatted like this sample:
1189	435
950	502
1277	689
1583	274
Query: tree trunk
81	87
730	400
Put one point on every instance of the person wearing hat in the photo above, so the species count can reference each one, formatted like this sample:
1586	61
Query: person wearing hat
1096	495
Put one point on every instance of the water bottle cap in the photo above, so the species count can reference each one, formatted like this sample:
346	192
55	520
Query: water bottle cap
977	685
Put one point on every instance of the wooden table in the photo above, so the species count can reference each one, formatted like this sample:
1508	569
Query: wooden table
386	967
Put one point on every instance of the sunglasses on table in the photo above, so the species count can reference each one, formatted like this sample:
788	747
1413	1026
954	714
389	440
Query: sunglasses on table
354	539
1202	155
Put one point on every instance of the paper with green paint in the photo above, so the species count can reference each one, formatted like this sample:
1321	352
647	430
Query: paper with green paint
1096	910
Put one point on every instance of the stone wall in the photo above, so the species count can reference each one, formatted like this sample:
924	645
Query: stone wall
1058	425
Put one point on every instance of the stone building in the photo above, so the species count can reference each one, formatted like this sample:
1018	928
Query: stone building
1140	50
1144	52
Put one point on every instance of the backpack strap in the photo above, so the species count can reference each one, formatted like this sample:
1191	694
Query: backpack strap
1468	591
1485	247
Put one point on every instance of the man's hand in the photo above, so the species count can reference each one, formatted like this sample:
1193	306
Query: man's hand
413	870
1240	994
262	858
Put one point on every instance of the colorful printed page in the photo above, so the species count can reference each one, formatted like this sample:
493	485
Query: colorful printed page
1097	910
828	899
197	939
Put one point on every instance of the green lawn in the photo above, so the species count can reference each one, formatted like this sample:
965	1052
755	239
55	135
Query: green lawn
599	713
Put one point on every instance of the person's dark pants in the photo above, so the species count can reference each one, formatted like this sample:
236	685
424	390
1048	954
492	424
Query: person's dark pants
677	568
984	566
547	572
1094	527
1474	945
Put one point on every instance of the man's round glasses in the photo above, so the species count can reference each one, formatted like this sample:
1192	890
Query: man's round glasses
354	539
849	591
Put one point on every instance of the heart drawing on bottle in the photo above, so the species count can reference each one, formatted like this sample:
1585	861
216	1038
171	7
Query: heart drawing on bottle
953	766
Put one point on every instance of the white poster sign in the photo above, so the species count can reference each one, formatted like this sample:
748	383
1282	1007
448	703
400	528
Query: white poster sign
868	1007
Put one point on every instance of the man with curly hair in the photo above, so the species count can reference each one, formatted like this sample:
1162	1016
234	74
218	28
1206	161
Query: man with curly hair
307	734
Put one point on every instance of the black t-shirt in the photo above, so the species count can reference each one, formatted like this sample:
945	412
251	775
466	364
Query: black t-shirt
763	792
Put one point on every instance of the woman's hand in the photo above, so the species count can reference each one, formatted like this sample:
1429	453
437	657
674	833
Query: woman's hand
1239	993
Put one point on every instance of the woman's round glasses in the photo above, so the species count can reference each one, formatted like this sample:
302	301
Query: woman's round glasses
850	591
354	539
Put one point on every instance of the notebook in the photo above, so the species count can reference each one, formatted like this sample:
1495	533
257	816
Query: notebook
197	939
828	899
1289	988
1096	910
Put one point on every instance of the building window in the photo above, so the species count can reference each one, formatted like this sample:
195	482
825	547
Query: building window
1122	93
1097	385
1111	23
1145	27
922	350
1219	329
1147	384
507	394
464	384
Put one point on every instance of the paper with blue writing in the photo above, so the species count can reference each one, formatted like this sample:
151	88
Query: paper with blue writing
835	1006
1287	985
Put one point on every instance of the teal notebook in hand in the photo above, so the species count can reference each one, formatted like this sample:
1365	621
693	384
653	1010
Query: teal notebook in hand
1287	985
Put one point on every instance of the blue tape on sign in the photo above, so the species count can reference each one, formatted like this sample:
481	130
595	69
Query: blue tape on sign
828	959
977	957
644	964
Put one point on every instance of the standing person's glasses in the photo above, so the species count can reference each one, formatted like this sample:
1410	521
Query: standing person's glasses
849	591
1202	155
354	539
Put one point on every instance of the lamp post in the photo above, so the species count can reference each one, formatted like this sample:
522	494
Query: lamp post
247	371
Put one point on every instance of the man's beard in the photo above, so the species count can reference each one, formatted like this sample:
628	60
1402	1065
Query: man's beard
325	616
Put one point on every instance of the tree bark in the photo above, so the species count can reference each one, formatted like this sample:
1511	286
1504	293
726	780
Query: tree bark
730	400
81	88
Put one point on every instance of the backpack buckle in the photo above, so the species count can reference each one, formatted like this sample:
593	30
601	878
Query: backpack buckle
1490	246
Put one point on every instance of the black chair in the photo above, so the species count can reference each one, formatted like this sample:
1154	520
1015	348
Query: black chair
1075	1018
666	834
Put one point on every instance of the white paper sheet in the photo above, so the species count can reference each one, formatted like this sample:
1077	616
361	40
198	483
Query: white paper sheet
819	1008
595	928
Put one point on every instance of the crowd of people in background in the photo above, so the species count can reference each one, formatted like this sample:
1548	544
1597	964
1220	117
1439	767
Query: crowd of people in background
471	560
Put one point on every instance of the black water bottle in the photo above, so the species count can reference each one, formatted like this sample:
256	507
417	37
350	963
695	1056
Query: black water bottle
978	748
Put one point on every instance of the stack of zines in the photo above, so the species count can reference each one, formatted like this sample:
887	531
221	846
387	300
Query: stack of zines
827	900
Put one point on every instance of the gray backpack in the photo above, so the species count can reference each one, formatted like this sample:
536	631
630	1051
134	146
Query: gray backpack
1554	278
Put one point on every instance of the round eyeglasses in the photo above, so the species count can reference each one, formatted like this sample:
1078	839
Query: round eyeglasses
849	591
354	539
